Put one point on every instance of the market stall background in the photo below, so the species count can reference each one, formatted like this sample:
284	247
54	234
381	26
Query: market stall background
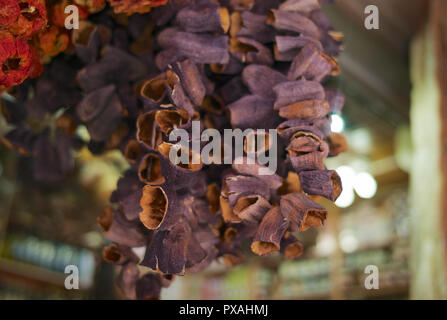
45	228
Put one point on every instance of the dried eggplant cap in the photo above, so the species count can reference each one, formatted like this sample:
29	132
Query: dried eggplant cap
112	254
154	89
251	208
301	211
326	183
265	142
169	120
154	202
118	254
133	151
307	109
119	230
192	165
212	195
227	212
147	131
206	17
213	104
337	144
268	236
291	247
304	6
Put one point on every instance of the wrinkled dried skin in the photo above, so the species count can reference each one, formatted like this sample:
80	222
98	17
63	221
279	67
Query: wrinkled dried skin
201	212
207	17
230	234
251	25
241	4
118	254
307	109
112	254
167	252
301	212
155	206
245	230
233	260
19	140
154	89
166	280
286	48
88	39
227	212
129	7
337	144
118	229
9	12
147	130
134	151
95	103
268	236
144	42
288	128
248	50
307	151
260	80
131	205
326	183
198	184
169	120
211	255
212	196
295	91
304	6
232	90
291	184
312	64
108	125
308	161
150	170
177	94
304	142
195	254
272	180
252	112
201	48
293	21
191	80
262	143
165	149
336	100
251	208
239	186
114	61
127	280
213	105
233	67
31	19
291	247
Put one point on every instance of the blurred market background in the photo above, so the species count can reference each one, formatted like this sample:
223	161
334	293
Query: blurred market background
388	79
